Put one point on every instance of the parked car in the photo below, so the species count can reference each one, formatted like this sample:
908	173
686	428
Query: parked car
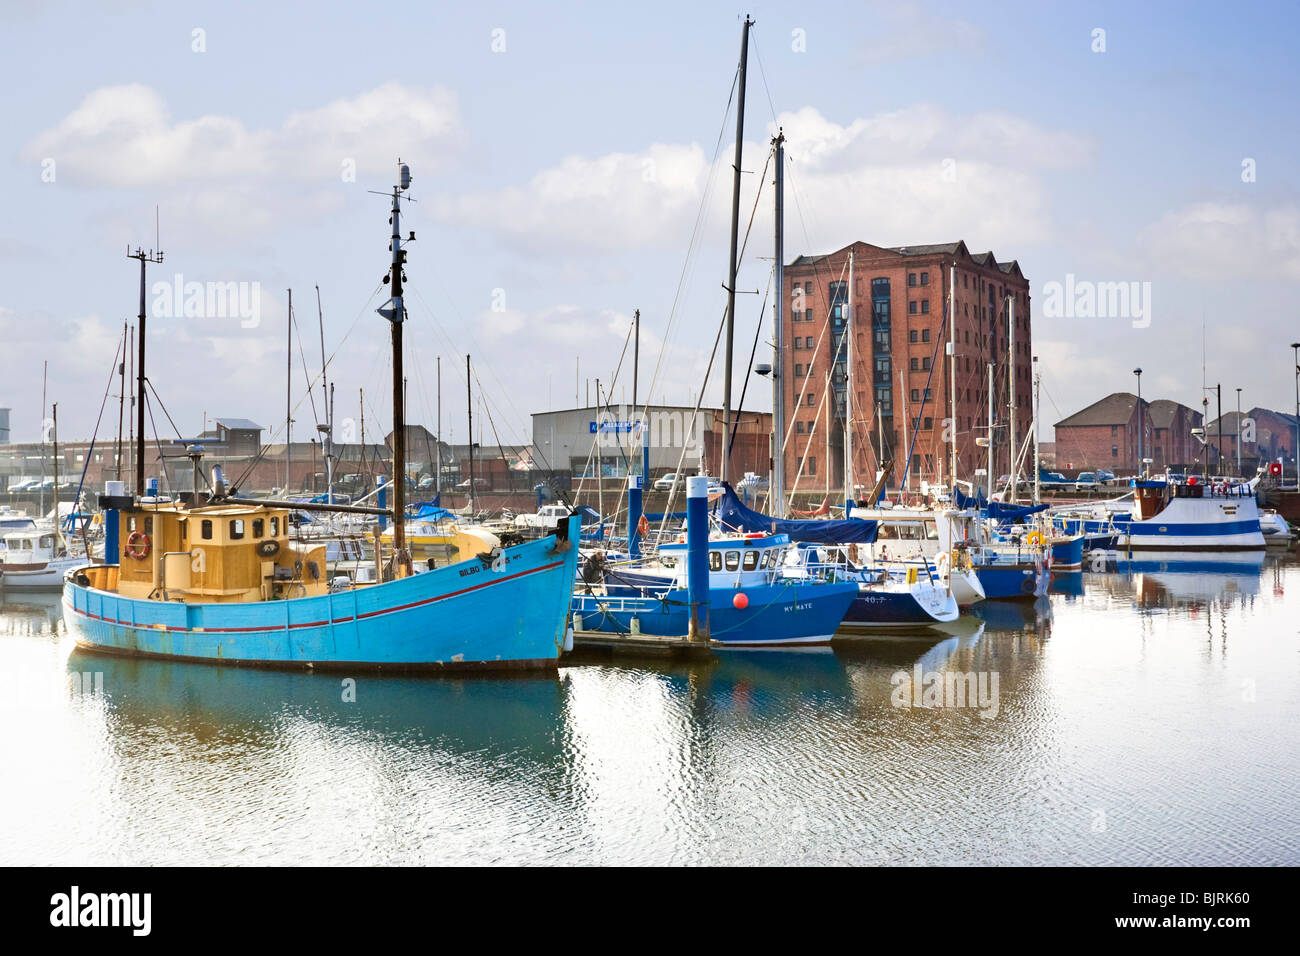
667	482
478	483
1086	481
1105	476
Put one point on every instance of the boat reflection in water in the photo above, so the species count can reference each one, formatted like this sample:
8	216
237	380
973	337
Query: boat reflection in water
31	612
1179	579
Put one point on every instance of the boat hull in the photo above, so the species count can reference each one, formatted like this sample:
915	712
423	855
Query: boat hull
1018	582
882	609
775	615
463	616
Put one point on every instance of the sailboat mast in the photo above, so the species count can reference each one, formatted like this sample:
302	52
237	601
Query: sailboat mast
288	391
121	404
777	498
437	481
735	237
848	393
952	373
469	407
989	477
58	528
1037	468
45	375
1011	374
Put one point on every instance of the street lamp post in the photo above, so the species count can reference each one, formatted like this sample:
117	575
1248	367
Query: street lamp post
1238	433
1295	448
1138	373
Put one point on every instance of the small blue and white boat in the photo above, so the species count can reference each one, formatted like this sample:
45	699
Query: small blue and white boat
752	602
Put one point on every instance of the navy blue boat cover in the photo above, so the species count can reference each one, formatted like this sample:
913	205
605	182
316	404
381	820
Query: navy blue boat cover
1009	514
734	516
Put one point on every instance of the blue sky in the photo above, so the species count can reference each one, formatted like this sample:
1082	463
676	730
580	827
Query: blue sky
558	183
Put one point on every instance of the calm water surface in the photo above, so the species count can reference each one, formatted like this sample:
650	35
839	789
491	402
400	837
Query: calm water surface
1144	715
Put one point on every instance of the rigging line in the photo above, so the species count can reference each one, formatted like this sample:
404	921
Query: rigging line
167	483
90	452
595	442
306	375
696	232
763	73
758	330
695	420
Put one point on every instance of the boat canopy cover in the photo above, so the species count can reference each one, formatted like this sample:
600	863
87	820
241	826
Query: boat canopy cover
1006	514
964	500
734	516
428	509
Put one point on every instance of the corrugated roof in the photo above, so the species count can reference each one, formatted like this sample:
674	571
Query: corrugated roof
240	423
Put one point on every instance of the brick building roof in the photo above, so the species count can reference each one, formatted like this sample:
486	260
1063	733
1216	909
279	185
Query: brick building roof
1115	409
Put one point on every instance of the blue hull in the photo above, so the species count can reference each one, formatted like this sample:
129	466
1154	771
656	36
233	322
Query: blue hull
887	609
1011	581
1068	554
776	614
461	616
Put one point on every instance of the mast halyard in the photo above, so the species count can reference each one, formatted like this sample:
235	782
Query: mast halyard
735	236
848	395
395	312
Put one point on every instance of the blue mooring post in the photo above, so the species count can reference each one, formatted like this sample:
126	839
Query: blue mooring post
634	483
697	555
383	501
112	547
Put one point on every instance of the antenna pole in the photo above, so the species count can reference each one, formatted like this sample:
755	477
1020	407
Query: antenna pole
144	257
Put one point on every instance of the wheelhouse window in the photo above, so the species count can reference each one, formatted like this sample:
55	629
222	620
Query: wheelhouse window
275	526
259	527
715	561
733	560
751	561
236	529
206	530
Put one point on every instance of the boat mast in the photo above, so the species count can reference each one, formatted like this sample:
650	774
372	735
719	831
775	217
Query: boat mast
469	408
848	394
989	477
288	391
777	497
395	313
121	404
1011	404
952	373
437	481
328	393
144	257
829	457
731	272
58	529
45	374
1037	466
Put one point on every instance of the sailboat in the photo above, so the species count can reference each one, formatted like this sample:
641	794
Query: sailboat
219	578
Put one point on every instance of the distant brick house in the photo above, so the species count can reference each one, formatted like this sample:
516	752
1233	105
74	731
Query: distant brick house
1266	435
1105	435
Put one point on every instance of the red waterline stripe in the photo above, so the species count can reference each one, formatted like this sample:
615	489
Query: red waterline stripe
343	620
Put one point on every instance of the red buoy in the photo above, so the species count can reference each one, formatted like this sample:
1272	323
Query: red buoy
1191	480
740	601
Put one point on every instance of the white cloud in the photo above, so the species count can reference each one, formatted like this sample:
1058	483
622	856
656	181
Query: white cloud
884	177
125	136
1227	240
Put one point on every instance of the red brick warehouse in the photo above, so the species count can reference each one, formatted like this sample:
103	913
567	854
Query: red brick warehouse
900	366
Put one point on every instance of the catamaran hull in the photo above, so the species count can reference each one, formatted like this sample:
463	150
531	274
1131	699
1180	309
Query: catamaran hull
467	615
775	615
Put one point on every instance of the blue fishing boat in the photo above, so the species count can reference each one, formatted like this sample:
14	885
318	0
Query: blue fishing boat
220	578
